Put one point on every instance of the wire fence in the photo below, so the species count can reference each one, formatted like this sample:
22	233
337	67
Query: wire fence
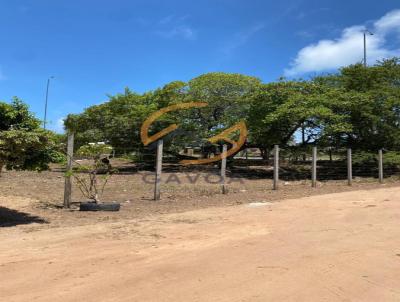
137	174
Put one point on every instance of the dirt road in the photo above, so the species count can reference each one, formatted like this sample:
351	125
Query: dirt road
336	247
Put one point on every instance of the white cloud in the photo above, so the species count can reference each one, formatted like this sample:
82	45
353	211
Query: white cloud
328	55
182	31
59	125
175	27
241	38
389	22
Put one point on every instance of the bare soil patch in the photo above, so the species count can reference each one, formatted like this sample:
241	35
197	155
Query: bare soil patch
43	194
331	247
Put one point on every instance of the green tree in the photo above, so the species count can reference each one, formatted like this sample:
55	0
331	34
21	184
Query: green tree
26	150
279	110
357	107
16	115
368	99
228	97
116	121
23	145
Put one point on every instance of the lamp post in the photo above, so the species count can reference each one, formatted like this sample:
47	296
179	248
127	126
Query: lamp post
365	45
45	105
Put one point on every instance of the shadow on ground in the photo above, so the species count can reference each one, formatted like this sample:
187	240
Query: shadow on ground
10	218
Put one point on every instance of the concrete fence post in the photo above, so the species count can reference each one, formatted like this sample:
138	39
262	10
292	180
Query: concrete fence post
314	167
349	168
276	167
380	164
68	182
157	181
223	169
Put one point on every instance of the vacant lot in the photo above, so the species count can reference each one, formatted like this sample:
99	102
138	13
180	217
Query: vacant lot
197	245
43	193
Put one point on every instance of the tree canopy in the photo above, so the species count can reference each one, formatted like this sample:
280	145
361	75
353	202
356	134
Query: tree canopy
356	107
23	144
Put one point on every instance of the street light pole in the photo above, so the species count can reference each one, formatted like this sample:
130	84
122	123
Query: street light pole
45	105
365	45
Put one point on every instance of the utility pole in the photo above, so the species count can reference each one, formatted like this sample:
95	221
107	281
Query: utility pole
45	104
365	45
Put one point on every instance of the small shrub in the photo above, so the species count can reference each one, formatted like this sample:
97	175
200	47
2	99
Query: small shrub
391	158
58	157
90	183
363	157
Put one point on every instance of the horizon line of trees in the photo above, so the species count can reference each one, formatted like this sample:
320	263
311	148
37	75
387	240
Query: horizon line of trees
358	107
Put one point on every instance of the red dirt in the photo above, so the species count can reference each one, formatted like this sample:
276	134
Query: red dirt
195	247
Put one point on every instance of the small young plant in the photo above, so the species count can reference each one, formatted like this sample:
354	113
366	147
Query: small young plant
93	177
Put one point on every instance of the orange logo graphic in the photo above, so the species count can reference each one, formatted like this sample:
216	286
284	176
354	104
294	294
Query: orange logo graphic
223	136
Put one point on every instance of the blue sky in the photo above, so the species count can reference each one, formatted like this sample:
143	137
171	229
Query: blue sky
95	48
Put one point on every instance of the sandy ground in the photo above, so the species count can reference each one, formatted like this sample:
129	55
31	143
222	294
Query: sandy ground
333	247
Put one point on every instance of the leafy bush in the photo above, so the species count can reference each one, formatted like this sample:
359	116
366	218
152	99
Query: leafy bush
391	158
26	150
89	183
93	150
58	157
363	157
